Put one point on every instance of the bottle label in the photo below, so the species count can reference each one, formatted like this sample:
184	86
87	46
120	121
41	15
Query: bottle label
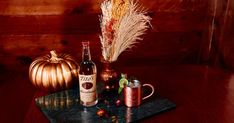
88	90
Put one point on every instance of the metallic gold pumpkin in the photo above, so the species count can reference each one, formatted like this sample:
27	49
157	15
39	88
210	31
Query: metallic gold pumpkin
53	71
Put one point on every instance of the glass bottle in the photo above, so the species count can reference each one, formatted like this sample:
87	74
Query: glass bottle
87	78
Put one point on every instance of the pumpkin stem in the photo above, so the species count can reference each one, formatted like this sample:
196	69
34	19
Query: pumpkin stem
54	56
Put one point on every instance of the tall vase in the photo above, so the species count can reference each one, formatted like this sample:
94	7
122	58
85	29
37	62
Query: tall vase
109	76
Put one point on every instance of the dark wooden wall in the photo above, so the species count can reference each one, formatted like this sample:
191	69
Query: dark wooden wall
223	37
185	31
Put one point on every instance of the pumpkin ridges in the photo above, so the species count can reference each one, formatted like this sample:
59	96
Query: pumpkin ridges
66	73
53	76
50	80
33	71
60	75
67	56
33	64
72	63
38	77
73	66
70	73
45	76
62	55
38	61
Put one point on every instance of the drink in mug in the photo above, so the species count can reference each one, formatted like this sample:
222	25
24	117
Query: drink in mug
133	93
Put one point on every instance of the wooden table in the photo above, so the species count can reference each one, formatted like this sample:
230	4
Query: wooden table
203	94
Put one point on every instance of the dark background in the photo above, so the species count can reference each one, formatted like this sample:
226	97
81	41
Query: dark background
184	32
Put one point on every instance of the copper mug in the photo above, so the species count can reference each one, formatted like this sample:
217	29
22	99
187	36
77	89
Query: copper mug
132	93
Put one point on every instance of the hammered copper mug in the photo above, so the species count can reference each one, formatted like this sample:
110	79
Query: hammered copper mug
133	93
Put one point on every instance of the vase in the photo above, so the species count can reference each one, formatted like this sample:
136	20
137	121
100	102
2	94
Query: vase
109	75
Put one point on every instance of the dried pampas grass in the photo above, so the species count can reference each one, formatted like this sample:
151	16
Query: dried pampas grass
122	25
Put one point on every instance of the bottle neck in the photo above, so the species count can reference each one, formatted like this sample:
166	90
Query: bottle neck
86	56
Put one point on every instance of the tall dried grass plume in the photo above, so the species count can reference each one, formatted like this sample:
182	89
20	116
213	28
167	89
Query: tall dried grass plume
122	22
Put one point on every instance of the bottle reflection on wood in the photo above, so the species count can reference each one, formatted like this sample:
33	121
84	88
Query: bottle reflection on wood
87	78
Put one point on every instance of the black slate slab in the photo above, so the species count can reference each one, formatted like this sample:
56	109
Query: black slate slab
64	107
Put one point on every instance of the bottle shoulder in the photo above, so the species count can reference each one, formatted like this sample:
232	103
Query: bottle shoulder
87	68
87	63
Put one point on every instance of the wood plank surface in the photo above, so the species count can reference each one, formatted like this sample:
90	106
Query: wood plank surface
157	47
31	22
89	23
58	7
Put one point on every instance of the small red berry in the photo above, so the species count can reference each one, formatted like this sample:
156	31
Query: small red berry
101	112
118	102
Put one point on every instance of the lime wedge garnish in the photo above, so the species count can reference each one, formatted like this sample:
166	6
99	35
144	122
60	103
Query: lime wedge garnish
123	82
120	90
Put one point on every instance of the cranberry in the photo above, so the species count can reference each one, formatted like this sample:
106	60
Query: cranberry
118	102
101	112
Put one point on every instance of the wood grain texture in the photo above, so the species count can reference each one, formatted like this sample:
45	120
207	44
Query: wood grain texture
157	47
58	7
223	40
45	7
31	22
70	24
177	41
89	23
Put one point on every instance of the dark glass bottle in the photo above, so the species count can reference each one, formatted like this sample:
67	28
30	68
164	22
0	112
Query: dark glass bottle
87	78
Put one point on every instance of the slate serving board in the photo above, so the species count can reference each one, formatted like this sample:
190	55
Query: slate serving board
64	107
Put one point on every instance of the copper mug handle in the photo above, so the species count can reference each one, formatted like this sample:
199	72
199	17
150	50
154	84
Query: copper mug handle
152	92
